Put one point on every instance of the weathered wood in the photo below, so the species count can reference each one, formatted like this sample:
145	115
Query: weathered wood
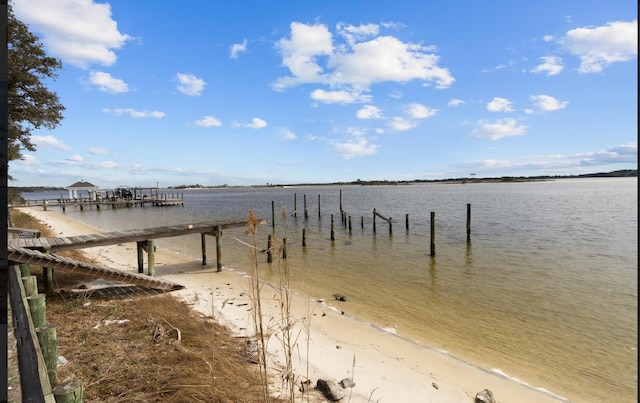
284	248
318	206
468	222
126	236
30	284
140	250
304	237
28	256
34	382
433	234
273	215
69	392
49	347
203	244
269	253
38	310
151	258
218	248
406	222
333	236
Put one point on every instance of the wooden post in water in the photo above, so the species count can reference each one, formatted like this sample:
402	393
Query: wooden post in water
38	309
318	206
269	255
333	237
340	199
306	213
273	215
204	248
218	248
284	248
349	224
304	237
374	221
295	208
362	221
406	222
433	233
49	347
468	222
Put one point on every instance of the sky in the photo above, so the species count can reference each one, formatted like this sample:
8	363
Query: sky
285	92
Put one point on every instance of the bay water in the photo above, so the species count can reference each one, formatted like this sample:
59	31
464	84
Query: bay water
545	292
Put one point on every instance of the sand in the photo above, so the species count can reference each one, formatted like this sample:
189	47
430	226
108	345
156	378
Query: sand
384	366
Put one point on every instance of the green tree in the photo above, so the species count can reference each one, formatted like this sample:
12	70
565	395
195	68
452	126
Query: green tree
31	105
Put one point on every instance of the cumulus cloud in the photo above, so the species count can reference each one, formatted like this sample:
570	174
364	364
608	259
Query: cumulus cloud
288	134
362	58
189	84
369	112
339	97
80	32
97	151
28	159
455	102
419	111
75	159
356	147
49	142
598	47
106	83
547	103
551	65
256	123
238	48
498	129
499	105
134	113
208	121
401	124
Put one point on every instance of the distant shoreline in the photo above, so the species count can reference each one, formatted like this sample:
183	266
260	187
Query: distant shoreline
624	173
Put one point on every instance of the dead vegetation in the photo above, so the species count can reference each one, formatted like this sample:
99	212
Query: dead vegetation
144	348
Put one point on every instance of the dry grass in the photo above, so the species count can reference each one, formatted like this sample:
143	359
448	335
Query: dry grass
163	352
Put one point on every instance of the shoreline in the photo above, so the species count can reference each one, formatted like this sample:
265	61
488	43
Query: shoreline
388	367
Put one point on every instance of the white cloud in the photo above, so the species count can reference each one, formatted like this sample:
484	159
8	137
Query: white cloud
238	48
499	105
208	121
361	60
256	123
369	112
75	158
357	147
288	134
189	84
400	124
80	32
134	113
601	46
498	129
97	151
548	103
419	111
455	102
551	65
106	83
339	97
49	142
28	159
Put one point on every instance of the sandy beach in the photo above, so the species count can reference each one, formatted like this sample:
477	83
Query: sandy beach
384	366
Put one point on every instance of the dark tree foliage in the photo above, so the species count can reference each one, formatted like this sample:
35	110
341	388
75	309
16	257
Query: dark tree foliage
31	105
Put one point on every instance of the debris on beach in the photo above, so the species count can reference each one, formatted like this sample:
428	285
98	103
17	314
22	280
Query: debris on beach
484	396
347	383
339	297
330	390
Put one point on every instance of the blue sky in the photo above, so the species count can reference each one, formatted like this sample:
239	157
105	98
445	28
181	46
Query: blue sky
255	92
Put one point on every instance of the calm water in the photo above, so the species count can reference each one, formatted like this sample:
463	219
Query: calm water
546	291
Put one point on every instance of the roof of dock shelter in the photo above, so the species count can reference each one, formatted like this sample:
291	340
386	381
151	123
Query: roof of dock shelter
82	185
